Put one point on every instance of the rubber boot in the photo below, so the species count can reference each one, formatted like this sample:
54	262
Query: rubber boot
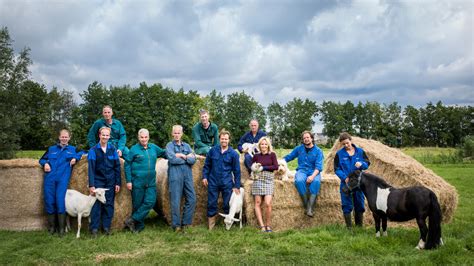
359	218
311	204
304	198
51	223
62	224
347	218
211	222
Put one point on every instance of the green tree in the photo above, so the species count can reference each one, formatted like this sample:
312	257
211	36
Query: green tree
412	132
391	124
299	116
215	103
276	120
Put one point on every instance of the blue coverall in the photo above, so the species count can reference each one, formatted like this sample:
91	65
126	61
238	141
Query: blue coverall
344	164
57	180
308	162
104	172
140	171
118	136
222	171
180	181
249	138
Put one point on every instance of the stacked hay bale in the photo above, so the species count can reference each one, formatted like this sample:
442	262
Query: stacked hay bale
22	205
400	170
123	199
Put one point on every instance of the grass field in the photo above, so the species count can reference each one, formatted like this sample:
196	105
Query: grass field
331	244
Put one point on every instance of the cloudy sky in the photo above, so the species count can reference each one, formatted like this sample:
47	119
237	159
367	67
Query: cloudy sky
411	52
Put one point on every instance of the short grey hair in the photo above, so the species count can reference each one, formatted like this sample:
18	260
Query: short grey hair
143	130
177	127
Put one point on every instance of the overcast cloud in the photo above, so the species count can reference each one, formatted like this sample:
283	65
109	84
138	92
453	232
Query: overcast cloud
412	52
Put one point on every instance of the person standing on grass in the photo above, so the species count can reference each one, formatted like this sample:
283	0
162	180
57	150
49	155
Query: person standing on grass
264	163
252	136
348	159
104	172
140	174
180	180
118	136
308	172
57	163
220	174
205	134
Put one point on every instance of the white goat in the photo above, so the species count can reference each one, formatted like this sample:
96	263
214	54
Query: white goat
79	205
235	206
250	147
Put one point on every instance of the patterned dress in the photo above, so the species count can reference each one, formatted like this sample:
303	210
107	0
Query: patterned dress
263	183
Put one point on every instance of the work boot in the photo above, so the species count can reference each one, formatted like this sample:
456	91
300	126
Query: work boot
311	205
107	231
51	223
359	218
62	224
304	198
347	218
130	223
211	222
94	233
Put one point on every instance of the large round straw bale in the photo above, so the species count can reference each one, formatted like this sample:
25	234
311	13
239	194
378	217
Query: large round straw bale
123	200
21	196
401	170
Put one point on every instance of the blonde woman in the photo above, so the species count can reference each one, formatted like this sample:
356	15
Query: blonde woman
263	165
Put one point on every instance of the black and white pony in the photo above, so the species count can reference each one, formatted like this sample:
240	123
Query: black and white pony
400	204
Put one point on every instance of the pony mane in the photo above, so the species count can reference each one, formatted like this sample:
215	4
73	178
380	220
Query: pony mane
378	181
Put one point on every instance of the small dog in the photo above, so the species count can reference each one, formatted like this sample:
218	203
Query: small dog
256	168
251	148
283	173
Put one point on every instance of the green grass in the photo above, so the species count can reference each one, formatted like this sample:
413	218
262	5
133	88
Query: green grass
331	244
30	154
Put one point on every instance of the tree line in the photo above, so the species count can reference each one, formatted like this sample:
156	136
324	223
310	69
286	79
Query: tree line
31	115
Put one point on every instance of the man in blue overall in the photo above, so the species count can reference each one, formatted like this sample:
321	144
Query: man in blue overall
252	136
220	174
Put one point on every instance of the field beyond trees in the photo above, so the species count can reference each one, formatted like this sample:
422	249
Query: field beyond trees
331	244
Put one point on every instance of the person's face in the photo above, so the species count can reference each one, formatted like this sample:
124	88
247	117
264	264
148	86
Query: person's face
224	139
205	118
64	138
104	136
143	138
307	139
177	134
347	144
263	146
253	126
107	113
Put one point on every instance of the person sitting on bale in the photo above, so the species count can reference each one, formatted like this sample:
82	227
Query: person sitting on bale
252	136
205	134
308	172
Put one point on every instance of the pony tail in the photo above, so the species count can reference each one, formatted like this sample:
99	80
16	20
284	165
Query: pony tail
434	228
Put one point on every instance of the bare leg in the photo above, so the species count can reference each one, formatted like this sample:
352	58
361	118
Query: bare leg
268	210
258	211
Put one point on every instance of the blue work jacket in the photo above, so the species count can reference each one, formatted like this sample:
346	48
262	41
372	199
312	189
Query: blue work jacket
140	164
59	159
344	164
222	169
104	168
178	167
249	138
307	161
118	136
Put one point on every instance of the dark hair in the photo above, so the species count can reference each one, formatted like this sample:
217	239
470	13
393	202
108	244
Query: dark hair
344	136
224	132
307	132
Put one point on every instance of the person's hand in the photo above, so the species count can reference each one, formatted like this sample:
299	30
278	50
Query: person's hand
347	180
119	153
236	190
191	155
358	164
92	191
309	179
129	186
246	150
73	162
117	188
204	182
180	155
47	168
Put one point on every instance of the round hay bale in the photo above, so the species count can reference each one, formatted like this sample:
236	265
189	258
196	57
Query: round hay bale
123	199
21	196
401	170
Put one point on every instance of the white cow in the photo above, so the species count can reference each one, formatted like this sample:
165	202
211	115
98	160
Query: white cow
79	205
235	207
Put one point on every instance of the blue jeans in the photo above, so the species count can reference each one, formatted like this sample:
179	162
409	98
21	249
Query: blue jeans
354	200
301	186
179	185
